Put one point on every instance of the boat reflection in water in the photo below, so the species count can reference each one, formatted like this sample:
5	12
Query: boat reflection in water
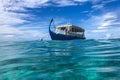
66	32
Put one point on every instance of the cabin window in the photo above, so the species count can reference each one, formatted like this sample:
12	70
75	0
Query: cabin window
58	31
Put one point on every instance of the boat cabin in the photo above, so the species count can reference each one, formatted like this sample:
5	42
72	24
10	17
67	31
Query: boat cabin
70	30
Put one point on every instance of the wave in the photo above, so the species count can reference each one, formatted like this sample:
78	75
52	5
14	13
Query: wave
60	60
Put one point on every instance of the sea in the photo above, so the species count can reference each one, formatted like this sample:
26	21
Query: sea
60	60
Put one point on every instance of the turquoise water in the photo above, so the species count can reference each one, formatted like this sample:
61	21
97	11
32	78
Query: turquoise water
60	60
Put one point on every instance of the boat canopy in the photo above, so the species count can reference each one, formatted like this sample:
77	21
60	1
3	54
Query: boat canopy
71	28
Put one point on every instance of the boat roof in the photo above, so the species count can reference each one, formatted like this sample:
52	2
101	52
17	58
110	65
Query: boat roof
70	26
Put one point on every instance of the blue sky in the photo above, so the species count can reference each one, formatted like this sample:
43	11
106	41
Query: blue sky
29	19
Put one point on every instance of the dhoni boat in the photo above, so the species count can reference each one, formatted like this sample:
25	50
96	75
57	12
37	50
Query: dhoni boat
66	32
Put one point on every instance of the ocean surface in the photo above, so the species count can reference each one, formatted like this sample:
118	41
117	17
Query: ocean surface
60	60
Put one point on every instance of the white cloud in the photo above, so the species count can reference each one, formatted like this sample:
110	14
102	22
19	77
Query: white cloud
101	21
98	31
8	30
63	2
9	18
82	0
8	33
21	4
99	4
102	26
107	20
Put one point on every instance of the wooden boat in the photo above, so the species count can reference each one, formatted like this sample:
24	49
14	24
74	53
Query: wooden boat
70	32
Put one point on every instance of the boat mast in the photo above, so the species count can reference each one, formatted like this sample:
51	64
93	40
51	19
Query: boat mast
52	21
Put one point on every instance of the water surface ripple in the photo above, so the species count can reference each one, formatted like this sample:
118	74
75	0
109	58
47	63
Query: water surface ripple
60	60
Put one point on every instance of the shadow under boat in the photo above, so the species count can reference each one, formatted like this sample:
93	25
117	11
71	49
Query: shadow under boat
71	32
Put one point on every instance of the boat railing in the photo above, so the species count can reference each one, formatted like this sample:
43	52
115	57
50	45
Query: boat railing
77	34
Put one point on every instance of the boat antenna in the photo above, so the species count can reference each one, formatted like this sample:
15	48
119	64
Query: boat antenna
68	22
